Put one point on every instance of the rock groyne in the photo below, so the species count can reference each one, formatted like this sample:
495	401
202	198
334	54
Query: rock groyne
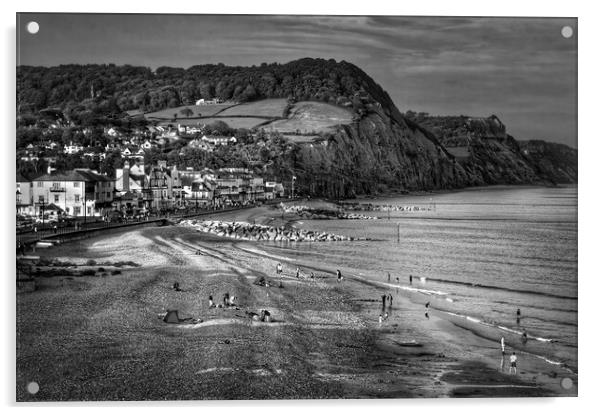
253	232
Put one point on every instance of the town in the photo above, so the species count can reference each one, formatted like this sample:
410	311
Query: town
116	173
137	191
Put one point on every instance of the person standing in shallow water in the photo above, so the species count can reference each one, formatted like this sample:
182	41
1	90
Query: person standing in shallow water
388	277
518	316
503	346
513	360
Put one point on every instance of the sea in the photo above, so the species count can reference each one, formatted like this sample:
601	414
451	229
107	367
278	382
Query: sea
478	254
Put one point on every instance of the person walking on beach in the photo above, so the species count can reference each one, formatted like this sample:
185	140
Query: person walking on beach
279	268
388	277
380	319
390	300
518	316
513	359
503	346
524	337
339	276
297	272
384	299
410	279
426	313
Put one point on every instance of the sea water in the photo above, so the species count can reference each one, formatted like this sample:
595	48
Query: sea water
480	254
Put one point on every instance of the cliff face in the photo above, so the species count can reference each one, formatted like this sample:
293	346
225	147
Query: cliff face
373	155
381	152
556	161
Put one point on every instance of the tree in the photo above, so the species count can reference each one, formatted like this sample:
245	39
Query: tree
187	112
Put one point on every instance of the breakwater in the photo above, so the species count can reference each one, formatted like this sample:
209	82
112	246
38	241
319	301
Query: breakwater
313	213
254	232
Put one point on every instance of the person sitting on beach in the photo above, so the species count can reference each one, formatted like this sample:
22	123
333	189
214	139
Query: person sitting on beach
513	359
265	316
176	286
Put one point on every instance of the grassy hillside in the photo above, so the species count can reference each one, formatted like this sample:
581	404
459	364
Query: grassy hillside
197	111
261	108
311	117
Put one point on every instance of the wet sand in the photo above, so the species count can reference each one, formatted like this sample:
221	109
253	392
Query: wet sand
99	337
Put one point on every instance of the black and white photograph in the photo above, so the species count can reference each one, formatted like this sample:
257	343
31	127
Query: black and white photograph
295	207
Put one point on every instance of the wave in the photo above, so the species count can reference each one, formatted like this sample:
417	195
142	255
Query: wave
414	289
498	326
497	287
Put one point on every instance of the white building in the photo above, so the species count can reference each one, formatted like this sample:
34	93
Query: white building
79	192
72	148
219	141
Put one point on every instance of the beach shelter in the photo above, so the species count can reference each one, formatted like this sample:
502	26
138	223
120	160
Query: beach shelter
171	317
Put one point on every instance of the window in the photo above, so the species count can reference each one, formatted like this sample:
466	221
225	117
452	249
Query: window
56	198
108	195
56	185
40	184
41	199
96	195
77	210
76	198
75	184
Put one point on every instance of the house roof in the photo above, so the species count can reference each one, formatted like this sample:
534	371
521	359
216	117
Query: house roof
77	175
22	179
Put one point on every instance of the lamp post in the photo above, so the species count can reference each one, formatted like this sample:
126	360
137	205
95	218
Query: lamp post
18	202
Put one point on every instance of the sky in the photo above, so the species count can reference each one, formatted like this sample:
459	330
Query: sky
521	69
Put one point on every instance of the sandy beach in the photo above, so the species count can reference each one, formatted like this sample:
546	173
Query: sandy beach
99	337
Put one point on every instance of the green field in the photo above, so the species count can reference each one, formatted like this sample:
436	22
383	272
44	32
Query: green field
300	138
204	110
233	122
306	117
264	108
309	117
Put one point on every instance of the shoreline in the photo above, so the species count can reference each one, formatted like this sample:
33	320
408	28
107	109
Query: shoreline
348	348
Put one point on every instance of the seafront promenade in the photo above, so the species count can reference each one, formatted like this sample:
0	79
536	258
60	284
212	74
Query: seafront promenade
62	233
